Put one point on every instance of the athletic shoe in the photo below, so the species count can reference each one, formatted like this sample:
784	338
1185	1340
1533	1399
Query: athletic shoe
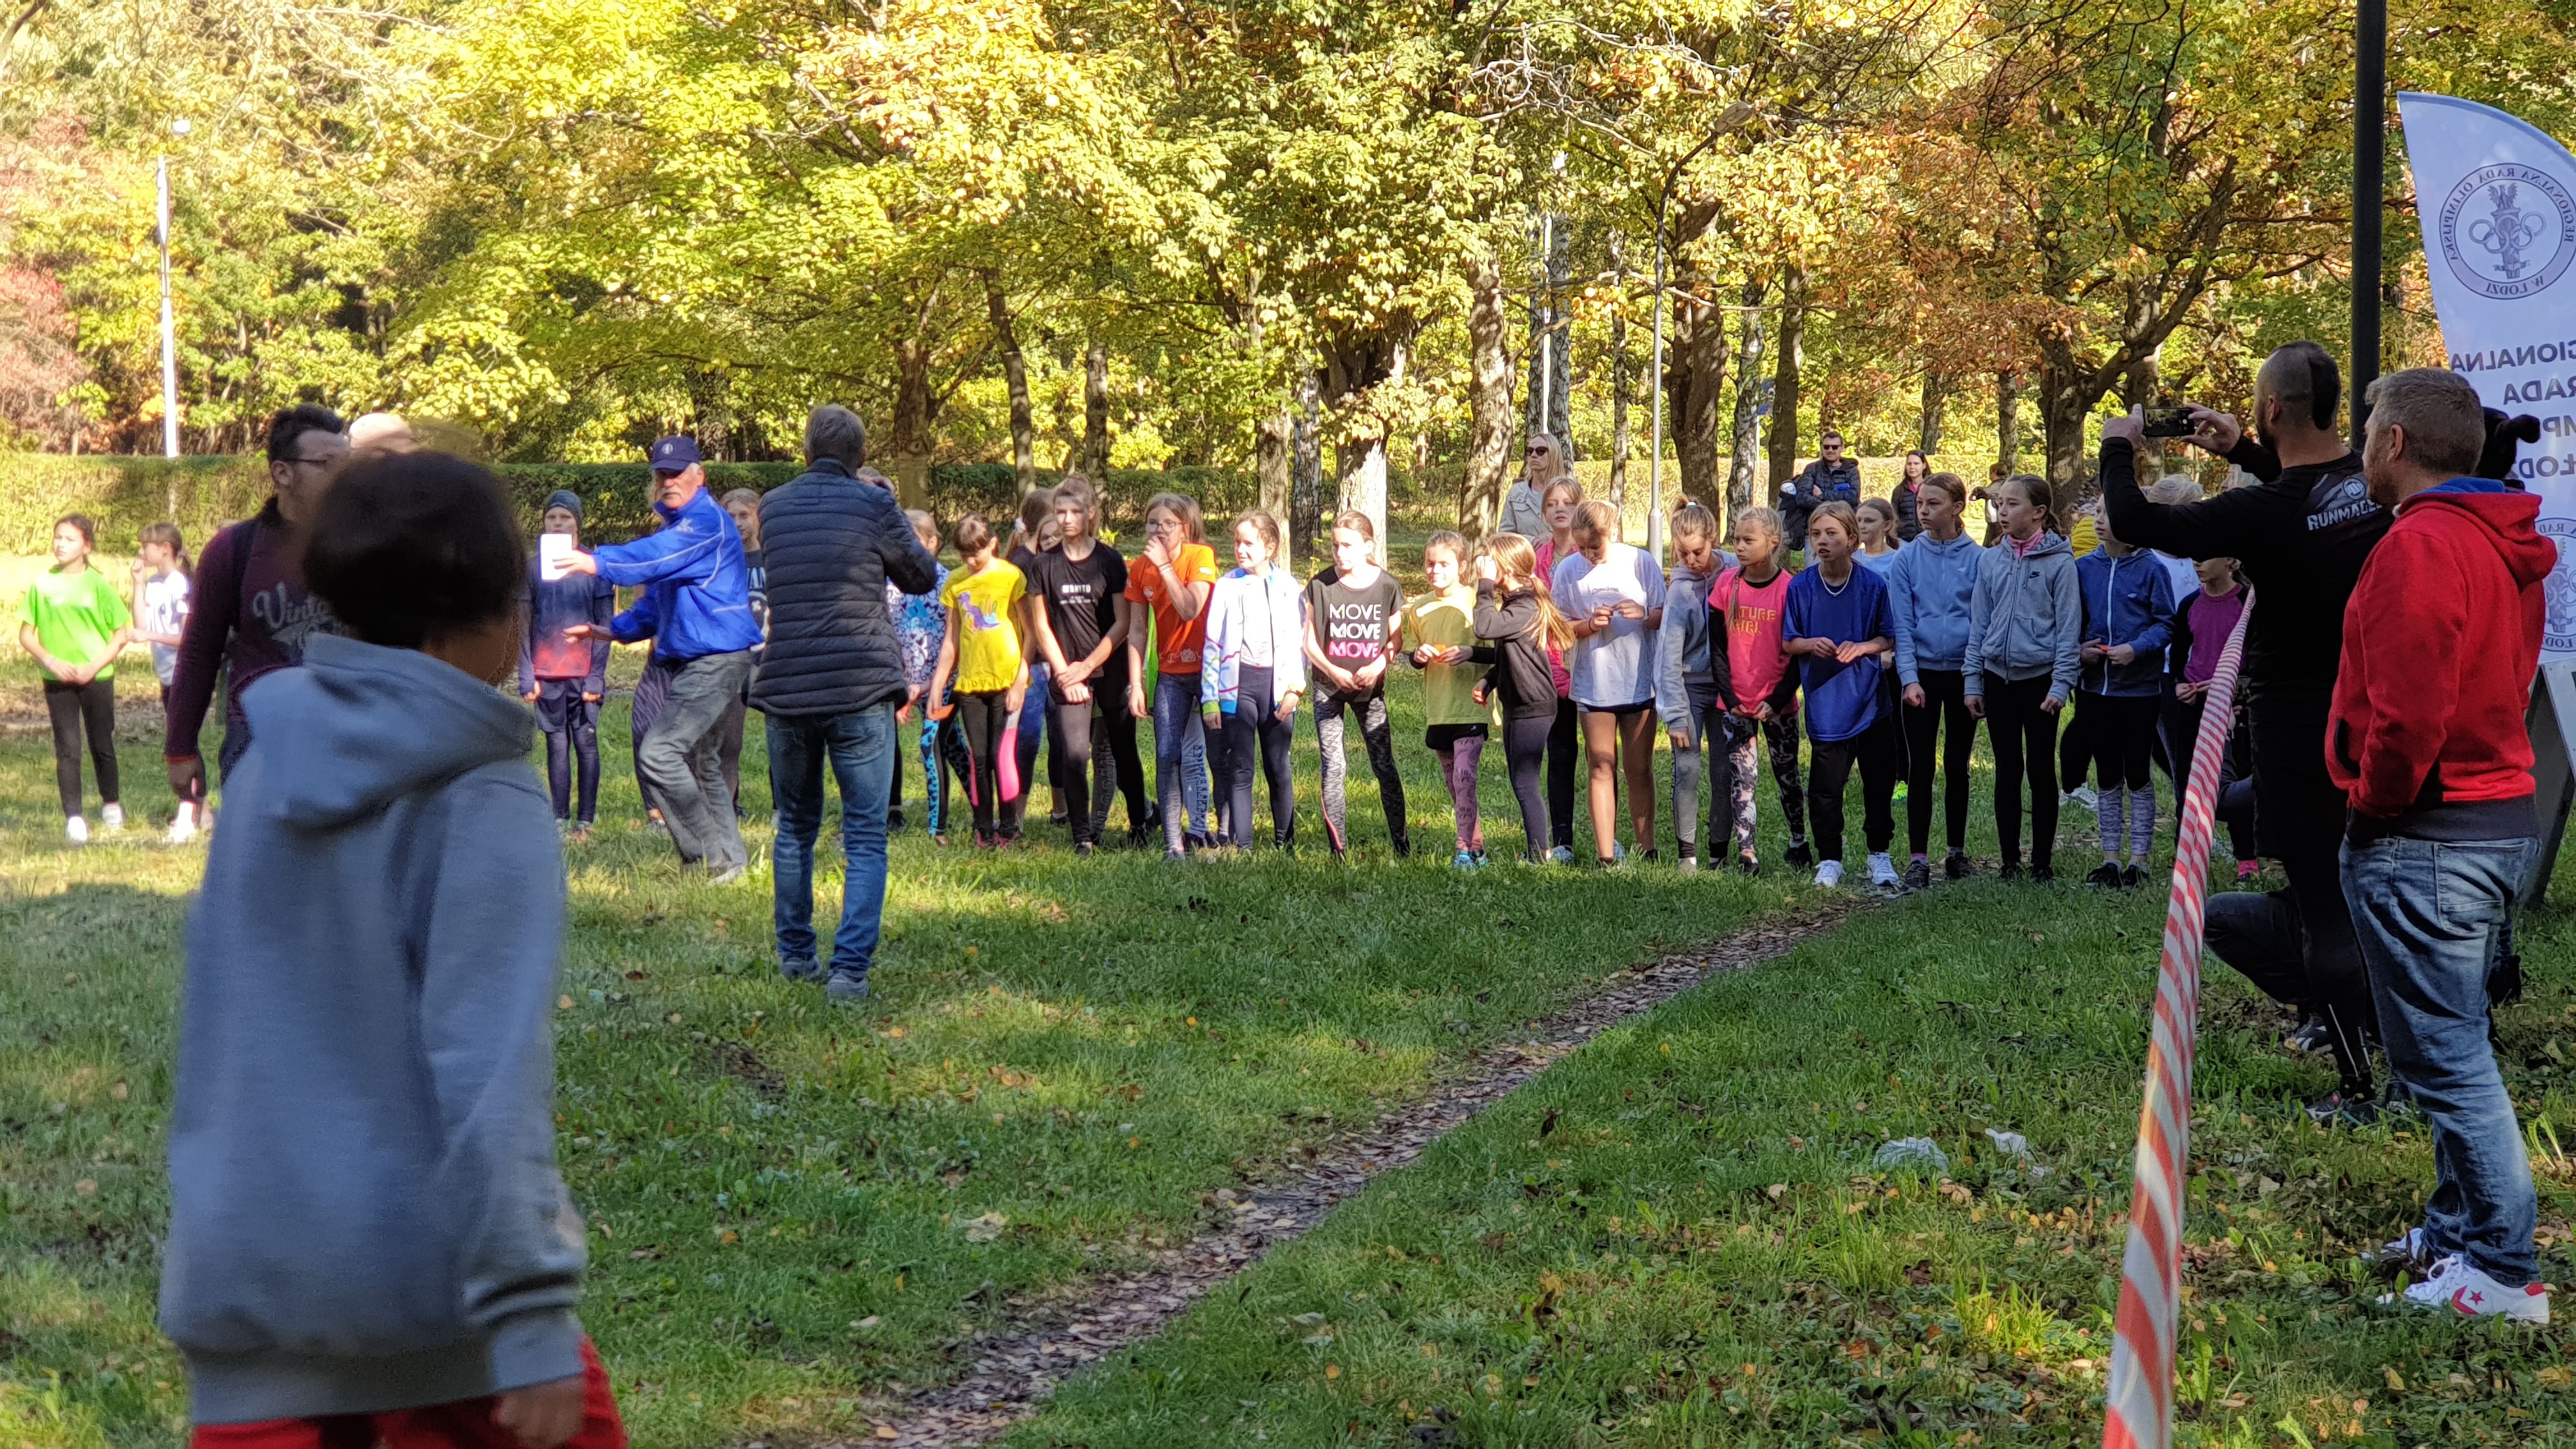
1176	855
894	818
1618	851
1830	874
2247	870
1956	866
807	969
2133	878
75	830
2411	1253
1882	870
1403	847
1898	798
1463	860
111	818
2337	1109
2311	1035
2011	870
2105	875
2042	873
2466	1291
1561	855
1749	864
1798	855
1482	860
1082	848
726	876
846	988
1689	864
182	830
2082	795
1196	841
1918	875
657	825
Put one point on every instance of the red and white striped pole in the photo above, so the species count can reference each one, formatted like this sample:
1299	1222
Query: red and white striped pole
2139	1411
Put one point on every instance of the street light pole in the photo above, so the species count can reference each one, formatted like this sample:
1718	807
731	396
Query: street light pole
169	329
2369	140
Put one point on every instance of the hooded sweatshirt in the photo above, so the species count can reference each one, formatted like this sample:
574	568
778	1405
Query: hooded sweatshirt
2440	641
1687	670
2025	617
1927	593
2127	600
1250	615
364	1209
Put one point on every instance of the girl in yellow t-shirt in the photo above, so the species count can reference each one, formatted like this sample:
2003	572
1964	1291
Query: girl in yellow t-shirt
984	653
1438	636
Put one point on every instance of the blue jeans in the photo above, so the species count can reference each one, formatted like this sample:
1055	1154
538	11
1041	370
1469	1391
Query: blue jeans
1180	759
860	746
2431	917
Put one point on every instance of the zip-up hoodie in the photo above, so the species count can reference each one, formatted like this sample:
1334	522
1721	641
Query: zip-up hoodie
2025	617
2126	601
697	589
364	1209
1684	662
1928	588
1235	601
2440	640
1521	680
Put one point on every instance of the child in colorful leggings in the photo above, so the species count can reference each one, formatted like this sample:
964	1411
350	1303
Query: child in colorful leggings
1438	637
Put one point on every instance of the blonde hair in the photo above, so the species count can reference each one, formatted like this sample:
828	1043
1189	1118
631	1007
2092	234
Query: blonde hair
1518	563
923	522
1565	483
1764	520
1183	507
1263	524
1692	520
1596	521
1357	522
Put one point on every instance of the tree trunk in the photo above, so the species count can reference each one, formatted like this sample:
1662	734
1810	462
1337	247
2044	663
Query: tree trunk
2008	422
1306	501
908	450
1095	414
1696	356
1791	355
1015	372
2066	399
1748	403
1274	461
2139	384
1936	396
1489	400
1619	399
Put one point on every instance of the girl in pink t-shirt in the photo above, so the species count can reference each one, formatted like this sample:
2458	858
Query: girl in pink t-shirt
1752	599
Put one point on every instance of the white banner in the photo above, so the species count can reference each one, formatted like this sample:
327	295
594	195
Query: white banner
2497	199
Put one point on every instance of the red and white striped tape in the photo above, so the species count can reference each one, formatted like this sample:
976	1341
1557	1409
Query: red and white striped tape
2139	1411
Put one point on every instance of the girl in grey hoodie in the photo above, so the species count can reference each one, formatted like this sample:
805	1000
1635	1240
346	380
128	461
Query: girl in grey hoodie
2025	630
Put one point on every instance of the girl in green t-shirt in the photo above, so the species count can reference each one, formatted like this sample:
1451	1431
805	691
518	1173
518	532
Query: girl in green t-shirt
74	624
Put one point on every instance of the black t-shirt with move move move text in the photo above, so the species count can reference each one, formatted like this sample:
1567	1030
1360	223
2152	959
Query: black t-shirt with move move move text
1081	598
1353	624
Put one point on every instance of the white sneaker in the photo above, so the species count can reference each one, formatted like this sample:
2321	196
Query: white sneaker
2470	1293
182	830
2083	795
1830	874
76	830
111	818
1882	871
1689	864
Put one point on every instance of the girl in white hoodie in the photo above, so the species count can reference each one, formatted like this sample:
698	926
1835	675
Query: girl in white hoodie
1252	675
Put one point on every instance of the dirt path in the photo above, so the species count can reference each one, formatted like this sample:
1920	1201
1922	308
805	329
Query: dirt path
1016	1371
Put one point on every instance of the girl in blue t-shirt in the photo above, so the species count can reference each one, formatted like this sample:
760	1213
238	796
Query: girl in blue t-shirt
1841	635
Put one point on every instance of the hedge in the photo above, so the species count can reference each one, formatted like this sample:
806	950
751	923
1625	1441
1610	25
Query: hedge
122	494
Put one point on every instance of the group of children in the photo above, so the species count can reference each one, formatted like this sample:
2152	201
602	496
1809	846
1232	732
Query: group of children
1883	656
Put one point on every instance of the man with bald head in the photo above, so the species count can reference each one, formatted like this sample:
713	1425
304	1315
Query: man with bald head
2301	536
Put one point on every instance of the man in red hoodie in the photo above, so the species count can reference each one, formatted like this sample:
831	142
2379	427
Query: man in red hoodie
2426	739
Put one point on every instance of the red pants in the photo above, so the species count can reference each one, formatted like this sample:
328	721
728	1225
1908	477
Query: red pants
465	1425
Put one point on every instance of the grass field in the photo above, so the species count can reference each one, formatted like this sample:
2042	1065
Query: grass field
1674	1238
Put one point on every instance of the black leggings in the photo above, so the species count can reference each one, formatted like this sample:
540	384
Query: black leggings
1107	741
2231	768
1527	744
1564	742
76	708
1255	737
986	718
1944	717
2024	739
2119	737
576	743
1829	767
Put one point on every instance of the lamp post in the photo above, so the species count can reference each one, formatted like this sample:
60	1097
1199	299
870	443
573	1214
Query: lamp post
169	331
2369	140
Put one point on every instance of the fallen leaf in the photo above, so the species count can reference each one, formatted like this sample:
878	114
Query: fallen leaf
2399	1384
1332	1370
86	1186
986	1228
564	1002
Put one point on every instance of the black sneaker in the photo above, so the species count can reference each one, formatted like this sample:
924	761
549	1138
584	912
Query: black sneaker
807	969
1956	866
1083	847
2011	870
1799	856
894	818
2042	873
1918	876
2133	878
1748	864
2311	1035
2344	1108
1404	847
846	988
2105	875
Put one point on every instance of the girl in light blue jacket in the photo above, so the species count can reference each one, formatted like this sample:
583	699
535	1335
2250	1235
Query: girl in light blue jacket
2025	631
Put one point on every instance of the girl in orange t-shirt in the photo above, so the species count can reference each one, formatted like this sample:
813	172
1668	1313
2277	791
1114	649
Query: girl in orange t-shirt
1173	579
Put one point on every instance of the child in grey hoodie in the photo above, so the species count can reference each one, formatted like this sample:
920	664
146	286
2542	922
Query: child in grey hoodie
366	1221
2025	631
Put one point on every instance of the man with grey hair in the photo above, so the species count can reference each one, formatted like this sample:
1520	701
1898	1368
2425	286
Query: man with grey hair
829	682
2427	741
2301	538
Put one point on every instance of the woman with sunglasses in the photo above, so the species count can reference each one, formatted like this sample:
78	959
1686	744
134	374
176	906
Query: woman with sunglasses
1525	507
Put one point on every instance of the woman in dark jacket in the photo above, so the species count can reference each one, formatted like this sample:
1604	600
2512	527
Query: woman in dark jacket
1909	490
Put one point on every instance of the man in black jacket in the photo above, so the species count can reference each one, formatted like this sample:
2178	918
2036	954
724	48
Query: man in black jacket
2301	537
829	682
1831	478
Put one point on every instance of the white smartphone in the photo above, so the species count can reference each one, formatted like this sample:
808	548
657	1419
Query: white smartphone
554	552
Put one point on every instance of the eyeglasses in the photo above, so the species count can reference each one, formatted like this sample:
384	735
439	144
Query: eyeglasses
316	462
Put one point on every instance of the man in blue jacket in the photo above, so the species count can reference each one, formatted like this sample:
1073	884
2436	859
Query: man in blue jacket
696	608
829	683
